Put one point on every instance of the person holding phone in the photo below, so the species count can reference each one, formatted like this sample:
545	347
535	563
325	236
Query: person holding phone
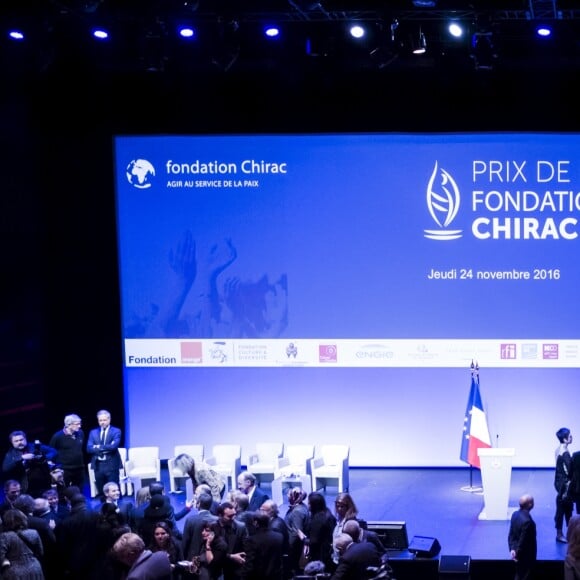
208	564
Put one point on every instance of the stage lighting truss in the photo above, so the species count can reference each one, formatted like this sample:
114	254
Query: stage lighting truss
227	36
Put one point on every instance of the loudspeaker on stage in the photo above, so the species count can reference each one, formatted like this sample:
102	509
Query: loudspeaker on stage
424	546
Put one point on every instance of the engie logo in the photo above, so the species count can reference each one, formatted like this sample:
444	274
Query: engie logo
443	201
140	173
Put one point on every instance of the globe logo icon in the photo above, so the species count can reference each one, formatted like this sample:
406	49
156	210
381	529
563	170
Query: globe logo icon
140	173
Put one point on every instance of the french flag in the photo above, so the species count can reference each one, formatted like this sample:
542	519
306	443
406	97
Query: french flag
475	429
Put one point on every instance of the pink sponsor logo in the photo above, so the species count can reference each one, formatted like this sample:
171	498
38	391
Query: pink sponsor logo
327	353
508	350
550	351
191	352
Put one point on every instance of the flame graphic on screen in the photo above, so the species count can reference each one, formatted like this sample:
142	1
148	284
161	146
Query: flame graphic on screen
443	203
442	197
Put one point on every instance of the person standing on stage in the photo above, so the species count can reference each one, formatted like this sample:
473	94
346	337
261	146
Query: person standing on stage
103	447
562	478
522	539
69	445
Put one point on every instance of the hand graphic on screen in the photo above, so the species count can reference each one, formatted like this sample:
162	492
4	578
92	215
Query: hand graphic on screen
182	259
217	258
258	309
192	305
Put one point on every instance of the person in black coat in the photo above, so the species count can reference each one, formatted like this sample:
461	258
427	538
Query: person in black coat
264	551
358	534
28	463
522	539
354	558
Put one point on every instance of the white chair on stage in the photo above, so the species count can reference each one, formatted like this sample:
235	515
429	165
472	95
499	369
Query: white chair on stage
295	461
226	460
330	463
142	463
195	451
124	484
265	461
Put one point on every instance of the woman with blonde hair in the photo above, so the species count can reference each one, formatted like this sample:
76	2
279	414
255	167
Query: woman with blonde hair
200	472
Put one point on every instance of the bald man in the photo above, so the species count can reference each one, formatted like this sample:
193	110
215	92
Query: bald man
522	539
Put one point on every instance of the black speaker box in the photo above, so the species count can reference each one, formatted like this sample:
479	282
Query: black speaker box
424	547
454	565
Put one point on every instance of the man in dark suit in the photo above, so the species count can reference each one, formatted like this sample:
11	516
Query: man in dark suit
522	539
194	524
247	485
358	534
264	551
103	447
112	495
354	558
234	532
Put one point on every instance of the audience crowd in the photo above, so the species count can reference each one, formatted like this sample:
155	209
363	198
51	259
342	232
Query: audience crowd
51	529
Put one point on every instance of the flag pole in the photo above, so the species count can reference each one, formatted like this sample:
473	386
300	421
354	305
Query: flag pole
471	488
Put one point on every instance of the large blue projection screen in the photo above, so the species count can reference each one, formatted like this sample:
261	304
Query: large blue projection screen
336	288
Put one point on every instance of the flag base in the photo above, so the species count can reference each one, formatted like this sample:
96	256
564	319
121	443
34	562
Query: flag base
472	489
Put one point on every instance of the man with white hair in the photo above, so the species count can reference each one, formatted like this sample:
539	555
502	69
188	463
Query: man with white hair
142	563
69	445
354	558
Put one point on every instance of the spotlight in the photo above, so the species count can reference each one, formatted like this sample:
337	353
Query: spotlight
419	43
272	31
186	32
455	30
16	35
544	31
357	31
100	33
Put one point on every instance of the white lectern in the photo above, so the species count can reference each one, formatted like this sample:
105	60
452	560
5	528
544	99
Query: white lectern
496	474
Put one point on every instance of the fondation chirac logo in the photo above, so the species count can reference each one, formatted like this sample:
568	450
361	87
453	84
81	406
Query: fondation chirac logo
443	201
140	173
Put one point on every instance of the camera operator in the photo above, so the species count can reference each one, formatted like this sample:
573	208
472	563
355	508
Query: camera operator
28	463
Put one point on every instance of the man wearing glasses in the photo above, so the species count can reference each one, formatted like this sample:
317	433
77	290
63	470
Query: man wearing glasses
69	445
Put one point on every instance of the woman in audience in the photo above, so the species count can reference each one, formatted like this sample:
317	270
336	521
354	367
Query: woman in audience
165	541
157	511
20	549
318	533
199	473
142	498
297	519
572	561
345	509
208	564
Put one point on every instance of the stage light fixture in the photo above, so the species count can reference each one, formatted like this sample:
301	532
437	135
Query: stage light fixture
455	29
544	31
483	50
424	3
272	31
419	43
100	33
16	35
186	32
357	31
